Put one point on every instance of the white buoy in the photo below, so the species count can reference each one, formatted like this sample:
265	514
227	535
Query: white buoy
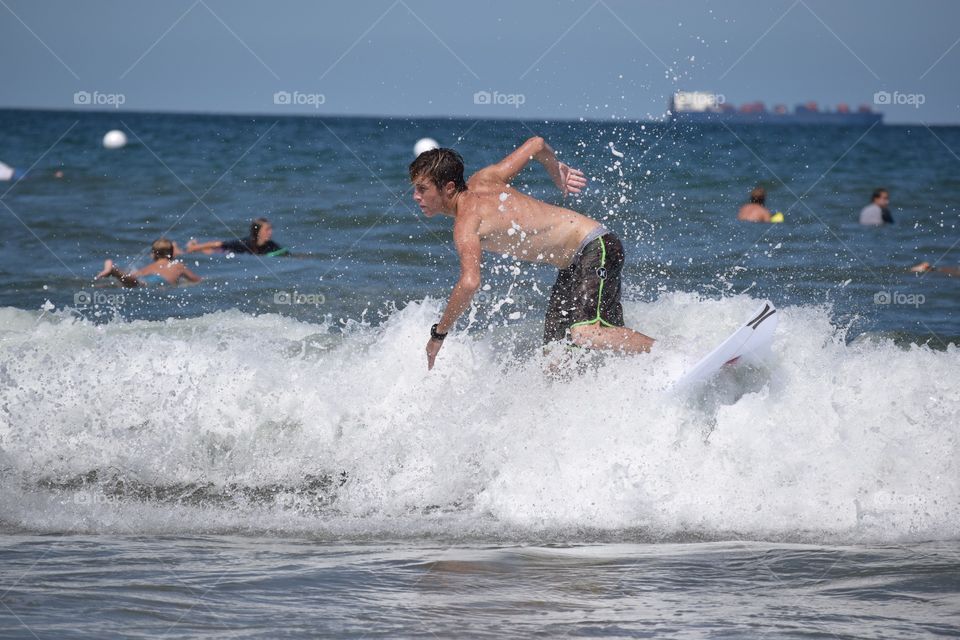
114	139
425	144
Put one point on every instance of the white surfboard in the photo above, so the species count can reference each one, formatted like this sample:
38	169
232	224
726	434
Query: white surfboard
752	339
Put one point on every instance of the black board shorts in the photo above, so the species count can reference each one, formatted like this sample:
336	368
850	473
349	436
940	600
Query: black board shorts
588	291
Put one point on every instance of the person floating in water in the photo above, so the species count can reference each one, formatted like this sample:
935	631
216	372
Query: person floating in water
877	213
258	242
756	210
490	215
925	267
10	174
163	270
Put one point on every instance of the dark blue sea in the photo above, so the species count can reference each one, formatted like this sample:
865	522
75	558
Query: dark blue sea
265	454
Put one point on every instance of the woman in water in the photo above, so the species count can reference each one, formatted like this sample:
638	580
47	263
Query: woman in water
258	243
163	270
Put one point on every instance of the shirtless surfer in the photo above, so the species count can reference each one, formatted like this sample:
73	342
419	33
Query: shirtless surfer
756	210
490	215
163	270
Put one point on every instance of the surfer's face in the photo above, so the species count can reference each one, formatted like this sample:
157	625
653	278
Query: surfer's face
266	232
428	196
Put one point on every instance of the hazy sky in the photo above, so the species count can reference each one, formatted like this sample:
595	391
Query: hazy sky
562	59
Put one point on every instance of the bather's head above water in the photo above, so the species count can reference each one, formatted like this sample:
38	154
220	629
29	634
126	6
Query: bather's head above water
162	249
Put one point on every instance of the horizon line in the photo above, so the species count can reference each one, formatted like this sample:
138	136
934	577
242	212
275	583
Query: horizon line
507	118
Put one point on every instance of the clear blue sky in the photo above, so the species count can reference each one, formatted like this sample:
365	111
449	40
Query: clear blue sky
562	59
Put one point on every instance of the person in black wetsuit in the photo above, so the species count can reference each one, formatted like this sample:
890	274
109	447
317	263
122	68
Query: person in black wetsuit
258	242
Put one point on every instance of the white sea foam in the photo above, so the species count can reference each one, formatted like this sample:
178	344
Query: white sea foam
233	421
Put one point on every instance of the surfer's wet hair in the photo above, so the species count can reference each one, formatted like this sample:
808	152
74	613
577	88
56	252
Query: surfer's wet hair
879	192
758	196
440	166
162	248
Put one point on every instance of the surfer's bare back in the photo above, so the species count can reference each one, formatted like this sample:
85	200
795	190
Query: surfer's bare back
490	215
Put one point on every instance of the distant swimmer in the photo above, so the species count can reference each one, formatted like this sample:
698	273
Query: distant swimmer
877	213
490	215
258	242
756	210
8	173
163	270
925	267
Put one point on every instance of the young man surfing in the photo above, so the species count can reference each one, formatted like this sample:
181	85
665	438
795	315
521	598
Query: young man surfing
490	215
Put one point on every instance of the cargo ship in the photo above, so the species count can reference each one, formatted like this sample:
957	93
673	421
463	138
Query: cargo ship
705	107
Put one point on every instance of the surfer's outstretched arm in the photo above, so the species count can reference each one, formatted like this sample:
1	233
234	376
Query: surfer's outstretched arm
568	180
924	267
466	238
205	247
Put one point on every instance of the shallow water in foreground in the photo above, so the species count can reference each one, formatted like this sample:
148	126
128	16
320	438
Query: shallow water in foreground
233	587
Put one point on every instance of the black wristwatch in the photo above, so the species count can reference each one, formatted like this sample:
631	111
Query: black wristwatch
435	335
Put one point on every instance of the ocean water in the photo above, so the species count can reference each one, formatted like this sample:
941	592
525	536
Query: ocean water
266	453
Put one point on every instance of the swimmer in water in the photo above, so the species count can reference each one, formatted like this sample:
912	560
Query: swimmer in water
877	213
10	174
258	242
925	267
755	210
490	215
163	270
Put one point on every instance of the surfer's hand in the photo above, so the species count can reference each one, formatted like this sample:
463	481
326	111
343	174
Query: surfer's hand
569	180
433	348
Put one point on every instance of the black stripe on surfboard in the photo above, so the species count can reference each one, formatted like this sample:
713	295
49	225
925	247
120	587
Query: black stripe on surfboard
755	323
766	313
